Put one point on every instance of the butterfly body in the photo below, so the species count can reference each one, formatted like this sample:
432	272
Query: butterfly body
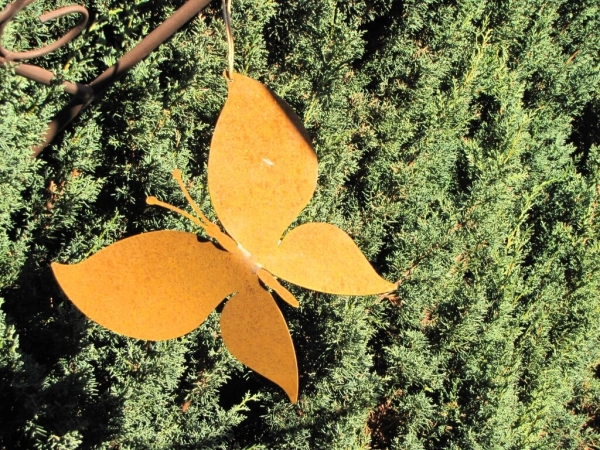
262	171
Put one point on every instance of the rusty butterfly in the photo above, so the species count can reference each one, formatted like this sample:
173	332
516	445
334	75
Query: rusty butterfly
262	172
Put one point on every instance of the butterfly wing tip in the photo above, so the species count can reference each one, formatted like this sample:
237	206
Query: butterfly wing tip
293	395
58	269
391	287
383	287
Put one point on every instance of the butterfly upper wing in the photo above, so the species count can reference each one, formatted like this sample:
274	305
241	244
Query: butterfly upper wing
255	332
262	170
157	285
322	257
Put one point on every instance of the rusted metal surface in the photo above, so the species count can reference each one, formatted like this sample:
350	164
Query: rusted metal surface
261	165
262	172
158	285
255	332
87	93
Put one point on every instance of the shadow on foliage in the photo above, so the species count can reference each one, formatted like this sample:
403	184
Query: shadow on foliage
50	334
376	32
585	134
486	107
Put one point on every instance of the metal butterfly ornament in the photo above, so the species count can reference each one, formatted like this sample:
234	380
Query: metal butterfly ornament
262	171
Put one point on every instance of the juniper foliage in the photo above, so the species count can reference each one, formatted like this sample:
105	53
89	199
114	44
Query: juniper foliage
457	144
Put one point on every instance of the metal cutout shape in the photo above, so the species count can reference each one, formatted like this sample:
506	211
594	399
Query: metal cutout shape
262	171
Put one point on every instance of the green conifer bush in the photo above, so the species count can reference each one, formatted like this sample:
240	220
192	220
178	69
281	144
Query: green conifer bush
458	146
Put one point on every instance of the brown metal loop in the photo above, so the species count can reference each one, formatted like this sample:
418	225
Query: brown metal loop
96	88
14	8
46	77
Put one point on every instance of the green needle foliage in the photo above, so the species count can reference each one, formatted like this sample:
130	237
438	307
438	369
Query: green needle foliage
457	144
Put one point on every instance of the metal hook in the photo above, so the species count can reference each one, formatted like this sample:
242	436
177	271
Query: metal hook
227	20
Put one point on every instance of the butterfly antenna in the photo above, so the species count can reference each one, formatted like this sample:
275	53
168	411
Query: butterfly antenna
154	201
210	228
177	176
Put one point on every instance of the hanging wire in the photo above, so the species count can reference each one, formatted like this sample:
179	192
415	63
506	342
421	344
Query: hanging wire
227	19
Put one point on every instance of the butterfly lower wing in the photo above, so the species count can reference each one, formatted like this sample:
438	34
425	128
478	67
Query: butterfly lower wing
157	285
262	170
321	257
256	333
